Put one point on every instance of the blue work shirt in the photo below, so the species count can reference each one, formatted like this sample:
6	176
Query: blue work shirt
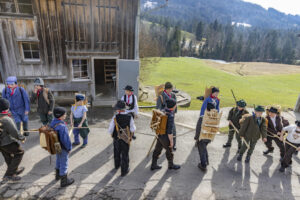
214	101
19	101
63	134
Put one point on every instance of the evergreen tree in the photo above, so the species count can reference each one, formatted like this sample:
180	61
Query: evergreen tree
199	31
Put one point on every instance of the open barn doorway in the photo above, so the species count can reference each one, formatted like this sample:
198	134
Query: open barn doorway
105	72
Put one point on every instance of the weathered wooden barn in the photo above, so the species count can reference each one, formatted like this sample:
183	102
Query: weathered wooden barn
86	46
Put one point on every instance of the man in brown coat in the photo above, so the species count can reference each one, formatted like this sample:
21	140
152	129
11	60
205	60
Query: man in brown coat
253	127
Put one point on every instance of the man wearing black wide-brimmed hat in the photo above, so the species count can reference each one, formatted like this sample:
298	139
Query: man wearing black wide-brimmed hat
275	126
119	126
253	127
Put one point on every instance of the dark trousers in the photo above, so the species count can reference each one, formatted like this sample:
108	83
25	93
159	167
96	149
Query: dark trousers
198	128
162	143
46	118
202	148
278	143
289	151
13	154
237	137
25	126
243	149
174	135
121	155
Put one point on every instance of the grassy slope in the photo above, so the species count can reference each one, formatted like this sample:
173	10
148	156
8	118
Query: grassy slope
192	75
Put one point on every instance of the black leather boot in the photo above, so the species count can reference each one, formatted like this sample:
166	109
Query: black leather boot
65	181
247	160
57	177
173	166
239	158
154	165
268	151
226	145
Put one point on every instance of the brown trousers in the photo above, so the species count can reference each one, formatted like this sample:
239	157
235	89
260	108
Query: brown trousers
13	154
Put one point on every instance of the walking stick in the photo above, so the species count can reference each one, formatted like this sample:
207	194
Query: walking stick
243	139
273	135
155	139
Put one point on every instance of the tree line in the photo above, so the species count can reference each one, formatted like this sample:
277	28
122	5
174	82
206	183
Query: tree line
228	42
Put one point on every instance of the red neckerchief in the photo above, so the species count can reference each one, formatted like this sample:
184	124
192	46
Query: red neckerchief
6	113
167	94
128	98
12	90
39	92
211	96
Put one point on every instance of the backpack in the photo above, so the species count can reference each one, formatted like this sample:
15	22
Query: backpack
159	122
49	139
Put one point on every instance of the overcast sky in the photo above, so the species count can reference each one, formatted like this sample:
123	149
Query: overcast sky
286	6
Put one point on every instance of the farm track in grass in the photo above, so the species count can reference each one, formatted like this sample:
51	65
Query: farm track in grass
262	83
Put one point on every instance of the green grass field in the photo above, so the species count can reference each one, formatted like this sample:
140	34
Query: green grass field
193	75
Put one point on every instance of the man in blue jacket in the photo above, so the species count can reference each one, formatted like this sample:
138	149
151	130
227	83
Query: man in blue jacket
62	158
19	102
213	99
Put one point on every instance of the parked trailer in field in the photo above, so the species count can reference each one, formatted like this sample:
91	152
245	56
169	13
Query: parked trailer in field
88	46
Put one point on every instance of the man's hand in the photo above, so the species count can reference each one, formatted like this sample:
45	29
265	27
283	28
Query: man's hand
50	113
80	125
279	133
298	149
264	140
171	145
35	89
281	138
26	112
23	141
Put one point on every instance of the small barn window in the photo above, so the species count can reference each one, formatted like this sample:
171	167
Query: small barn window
31	50
16	6
80	69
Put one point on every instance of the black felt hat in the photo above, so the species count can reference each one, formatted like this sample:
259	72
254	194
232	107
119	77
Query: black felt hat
214	89
120	105
4	104
273	110
241	103
168	85
59	111
129	88
260	108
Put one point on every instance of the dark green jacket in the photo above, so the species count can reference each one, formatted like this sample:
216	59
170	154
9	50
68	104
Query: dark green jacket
9	133
250	129
235	115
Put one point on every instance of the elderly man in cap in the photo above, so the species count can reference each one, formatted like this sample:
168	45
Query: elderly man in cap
19	102
62	159
275	127
252	128
234	117
120	122
161	105
9	147
293	138
44	99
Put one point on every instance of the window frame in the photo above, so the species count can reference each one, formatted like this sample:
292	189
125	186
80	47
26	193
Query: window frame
87	69
27	60
17	8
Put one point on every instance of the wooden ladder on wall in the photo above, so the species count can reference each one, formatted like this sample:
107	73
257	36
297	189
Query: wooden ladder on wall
109	70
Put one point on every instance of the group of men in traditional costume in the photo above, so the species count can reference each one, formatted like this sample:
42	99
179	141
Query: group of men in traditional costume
247	128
